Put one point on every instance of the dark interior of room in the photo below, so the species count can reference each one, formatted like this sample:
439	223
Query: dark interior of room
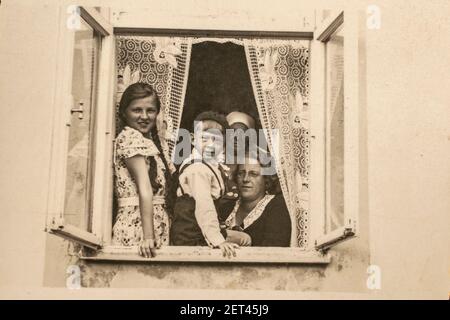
218	80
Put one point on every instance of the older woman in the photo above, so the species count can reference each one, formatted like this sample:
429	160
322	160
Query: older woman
240	122
258	213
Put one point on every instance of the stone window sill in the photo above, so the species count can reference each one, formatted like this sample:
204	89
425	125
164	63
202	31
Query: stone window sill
206	254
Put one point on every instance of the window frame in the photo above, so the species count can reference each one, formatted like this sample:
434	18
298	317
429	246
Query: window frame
55	222
325	240
100	237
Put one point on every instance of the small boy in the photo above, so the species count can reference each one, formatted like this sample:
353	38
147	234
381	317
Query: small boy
201	185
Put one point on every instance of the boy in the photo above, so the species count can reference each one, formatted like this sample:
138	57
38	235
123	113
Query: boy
201	185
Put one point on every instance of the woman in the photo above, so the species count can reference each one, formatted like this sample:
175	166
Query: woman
258	212
240	122
142	174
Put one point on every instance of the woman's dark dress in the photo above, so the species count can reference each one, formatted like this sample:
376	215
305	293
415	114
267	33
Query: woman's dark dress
271	229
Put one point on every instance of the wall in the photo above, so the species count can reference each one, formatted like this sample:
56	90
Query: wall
405	180
408	147
27	54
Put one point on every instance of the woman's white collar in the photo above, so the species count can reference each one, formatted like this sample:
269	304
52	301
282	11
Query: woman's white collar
252	216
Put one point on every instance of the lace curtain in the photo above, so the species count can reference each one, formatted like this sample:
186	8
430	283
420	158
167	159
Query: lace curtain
279	71
162	62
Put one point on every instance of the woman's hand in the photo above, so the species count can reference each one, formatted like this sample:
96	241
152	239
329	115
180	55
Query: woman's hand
147	248
228	249
239	237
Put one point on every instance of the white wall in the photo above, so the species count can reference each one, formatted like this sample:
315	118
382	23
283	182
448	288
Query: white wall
27	55
409	146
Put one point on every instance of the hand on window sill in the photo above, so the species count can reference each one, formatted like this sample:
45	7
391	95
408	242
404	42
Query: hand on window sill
228	249
147	248
239	237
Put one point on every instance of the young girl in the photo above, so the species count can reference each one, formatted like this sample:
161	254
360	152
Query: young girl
142	174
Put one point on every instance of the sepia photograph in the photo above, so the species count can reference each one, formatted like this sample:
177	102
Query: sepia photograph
224	150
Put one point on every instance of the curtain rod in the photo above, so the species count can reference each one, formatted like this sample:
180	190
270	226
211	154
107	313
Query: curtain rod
305	35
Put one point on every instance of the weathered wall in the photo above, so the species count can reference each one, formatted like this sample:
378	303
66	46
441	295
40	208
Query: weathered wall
408	116
346	273
27	81
405	178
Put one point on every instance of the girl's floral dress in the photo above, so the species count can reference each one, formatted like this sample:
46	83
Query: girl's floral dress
127	230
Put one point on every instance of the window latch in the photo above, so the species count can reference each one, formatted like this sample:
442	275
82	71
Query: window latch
79	110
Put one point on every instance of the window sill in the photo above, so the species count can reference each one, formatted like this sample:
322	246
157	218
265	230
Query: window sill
206	254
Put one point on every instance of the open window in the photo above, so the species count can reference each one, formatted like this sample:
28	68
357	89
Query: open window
336	130
300	75
79	153
268	78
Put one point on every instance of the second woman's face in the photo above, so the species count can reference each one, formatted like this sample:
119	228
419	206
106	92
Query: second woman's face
141	114
250	181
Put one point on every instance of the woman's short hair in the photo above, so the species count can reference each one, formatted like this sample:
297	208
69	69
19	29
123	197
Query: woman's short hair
272	183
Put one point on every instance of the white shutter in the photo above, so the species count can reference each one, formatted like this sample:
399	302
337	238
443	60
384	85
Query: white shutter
336	44
78	137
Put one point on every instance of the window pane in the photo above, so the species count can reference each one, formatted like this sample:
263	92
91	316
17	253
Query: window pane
77	194
335	128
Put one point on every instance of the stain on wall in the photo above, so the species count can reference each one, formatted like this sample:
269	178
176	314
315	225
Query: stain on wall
346	272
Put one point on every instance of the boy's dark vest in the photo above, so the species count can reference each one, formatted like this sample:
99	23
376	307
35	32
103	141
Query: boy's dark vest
185	230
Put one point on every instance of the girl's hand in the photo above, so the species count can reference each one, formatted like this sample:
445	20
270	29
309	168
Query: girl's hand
239	237
228	249
147	248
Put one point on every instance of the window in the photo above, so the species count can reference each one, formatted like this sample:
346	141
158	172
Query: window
337	54
317	170
77	200
267	78
79	133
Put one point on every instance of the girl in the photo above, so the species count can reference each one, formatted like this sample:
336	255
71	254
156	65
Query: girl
142	174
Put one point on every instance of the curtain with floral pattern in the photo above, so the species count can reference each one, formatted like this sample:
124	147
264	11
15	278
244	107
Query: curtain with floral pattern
279	71
162	62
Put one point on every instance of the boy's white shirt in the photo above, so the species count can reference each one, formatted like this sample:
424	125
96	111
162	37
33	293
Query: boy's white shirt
199	182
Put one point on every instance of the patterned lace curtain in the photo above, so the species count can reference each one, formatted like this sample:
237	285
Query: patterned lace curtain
279	71
162	62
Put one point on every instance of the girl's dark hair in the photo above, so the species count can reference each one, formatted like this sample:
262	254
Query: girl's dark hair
136	91
213	116
142	90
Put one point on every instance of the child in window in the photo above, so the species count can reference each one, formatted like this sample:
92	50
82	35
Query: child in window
201	185
142	174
